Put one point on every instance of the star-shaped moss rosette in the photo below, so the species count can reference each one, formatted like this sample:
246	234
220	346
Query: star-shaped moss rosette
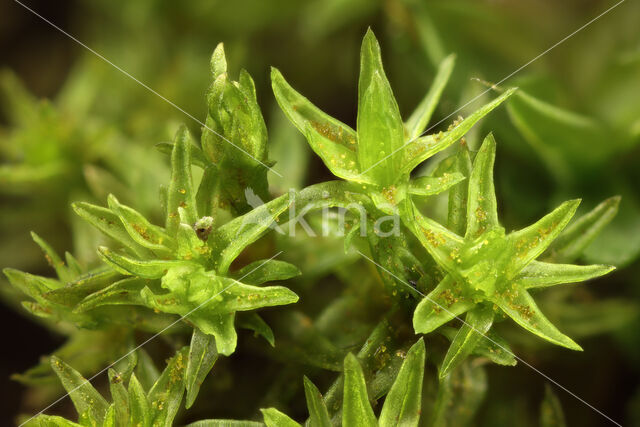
383	150
137	404
489	271
183	267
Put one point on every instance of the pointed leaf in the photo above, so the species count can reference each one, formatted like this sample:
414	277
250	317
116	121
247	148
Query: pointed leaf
208	196
237	234
473	330
443	304
356	409
254	322
482	208
318	413
140	413
275	418
422	148
86	399
327	136
120	397
125	291
532	241
263	271
50	421
521	307
579	234
180	193
202	356
153	269
441	243
109	223
380	129
458	195
431	185
166	394
402	406
142	231
53	259
543	274
420	117
241	297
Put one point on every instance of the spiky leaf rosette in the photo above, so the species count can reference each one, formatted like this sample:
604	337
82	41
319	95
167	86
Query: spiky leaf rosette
183	267
488	270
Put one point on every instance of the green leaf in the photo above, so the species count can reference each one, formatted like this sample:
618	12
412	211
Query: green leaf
53	259
50	421
318	413
482	207
551	414
202	356
439	307
109	223
380	128
31	285
208	196
142	231
580	233
523	310
153	269
458	195
275	418
125	291
140	413
402	404
86	399
459	396
254	322
166	394
231	238
543	274
422	115
262	271
473	330
180	192
120	397
225	423
431	185
533	240
329	138
241	297
439	242
356	410
418	150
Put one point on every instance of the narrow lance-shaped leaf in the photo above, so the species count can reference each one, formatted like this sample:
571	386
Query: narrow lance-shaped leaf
140	229
482	208
439	307
356	409
255	323
458	195
331	139
420	117
542	274
476	325
86	399
53	259
318	413
109	223
402	404
380	128
262	271
422	148
523	310
180	192
231	238
166	394
202	356
153	269
275	418
120	397
580	233
532	241
139	411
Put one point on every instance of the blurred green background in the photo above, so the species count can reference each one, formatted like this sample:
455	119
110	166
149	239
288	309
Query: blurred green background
70	122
